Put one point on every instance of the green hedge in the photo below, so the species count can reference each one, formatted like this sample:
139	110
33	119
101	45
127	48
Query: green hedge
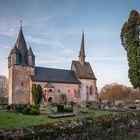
24	109
34	112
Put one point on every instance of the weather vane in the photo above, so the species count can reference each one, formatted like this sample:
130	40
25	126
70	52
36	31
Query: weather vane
20	24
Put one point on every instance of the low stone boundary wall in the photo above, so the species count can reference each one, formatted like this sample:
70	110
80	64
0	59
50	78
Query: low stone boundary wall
103	127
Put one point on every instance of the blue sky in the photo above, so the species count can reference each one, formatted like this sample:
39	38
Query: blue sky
54	27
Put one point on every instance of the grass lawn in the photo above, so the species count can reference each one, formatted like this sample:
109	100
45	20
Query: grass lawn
12	120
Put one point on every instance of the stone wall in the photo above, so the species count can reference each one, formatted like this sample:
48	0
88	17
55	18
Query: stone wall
100	128
10	85
85	88
19	84
60	88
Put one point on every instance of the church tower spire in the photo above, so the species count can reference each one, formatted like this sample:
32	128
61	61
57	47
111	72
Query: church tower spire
20	42
21	46
82	51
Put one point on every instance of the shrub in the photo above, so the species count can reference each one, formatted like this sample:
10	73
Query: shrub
35	107
20	108
34	112
4	107
26	110
8	108
70	109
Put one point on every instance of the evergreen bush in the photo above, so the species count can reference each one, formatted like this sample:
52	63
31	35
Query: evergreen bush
37	93
20	108
35	107
26	110
34	112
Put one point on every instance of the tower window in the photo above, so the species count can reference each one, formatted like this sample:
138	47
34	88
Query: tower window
22	84
58	90
20	58
91	90
87	89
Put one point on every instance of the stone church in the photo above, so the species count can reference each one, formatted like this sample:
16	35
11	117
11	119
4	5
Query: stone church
75	85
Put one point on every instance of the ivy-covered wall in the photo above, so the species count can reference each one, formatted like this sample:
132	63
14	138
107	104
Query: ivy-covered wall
104	127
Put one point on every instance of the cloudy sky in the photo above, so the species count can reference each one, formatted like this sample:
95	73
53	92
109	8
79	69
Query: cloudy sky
54	27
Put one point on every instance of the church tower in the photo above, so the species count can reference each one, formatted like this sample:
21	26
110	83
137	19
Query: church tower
21	65
85	74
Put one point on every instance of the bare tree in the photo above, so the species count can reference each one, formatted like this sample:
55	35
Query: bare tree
3	89
119	92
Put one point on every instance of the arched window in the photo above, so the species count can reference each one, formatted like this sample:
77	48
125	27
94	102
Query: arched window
21	84
50	90
50	99
91	91
64	98
87	89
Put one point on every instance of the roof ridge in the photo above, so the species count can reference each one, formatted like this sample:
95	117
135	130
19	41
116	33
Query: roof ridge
52	68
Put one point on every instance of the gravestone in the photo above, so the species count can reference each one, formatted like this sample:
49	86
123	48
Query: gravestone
106	107
60	108
49	108
102	106
94	105
75	109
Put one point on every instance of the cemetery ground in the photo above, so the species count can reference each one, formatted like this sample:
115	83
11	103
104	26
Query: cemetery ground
11	120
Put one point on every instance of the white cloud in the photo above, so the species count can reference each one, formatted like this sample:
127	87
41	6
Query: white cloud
107	58
5	47
49	43
52	57
43	59
7	29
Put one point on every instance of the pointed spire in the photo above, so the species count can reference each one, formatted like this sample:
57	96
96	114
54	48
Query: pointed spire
30	52
82	51
21	46
20	43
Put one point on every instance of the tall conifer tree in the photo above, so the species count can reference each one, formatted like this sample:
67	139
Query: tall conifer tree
130	38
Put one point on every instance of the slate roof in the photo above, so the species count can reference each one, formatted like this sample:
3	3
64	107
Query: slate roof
83	71
15	50
20	42
48	85
30	52
54	75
